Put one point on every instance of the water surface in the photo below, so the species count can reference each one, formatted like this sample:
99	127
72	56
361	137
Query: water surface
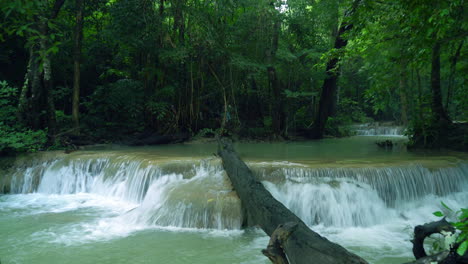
174	204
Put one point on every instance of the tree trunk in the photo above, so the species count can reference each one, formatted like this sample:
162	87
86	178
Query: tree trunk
184	91
300	243
438	110
36	89
277	113
403	95
36	94
453	64
47	83
47	71
161	8
76	61
329	88
29	105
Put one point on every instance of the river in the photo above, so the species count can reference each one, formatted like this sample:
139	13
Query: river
174	203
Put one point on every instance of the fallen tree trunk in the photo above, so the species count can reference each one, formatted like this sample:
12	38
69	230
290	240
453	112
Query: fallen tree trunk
437	258
299	243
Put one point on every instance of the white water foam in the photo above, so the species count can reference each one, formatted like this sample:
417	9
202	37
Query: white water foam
354	215
38	203
129	197
345	205
370	129
367	210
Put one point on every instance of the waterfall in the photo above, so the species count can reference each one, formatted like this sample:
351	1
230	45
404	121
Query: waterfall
198	194
371	129
344	197
189	195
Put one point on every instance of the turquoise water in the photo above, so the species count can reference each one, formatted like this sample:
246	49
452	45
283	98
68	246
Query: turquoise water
174	204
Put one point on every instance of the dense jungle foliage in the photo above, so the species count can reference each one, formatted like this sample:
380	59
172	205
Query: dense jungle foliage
81	71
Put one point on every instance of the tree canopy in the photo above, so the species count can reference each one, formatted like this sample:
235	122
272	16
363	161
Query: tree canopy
107	70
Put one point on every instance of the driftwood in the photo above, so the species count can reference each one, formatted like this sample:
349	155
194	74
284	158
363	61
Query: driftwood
301	244
444	257
274	250
423	231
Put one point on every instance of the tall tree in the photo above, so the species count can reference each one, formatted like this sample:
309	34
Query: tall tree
329	87
274	83
78	37
438	111
36	96
403	93
453	64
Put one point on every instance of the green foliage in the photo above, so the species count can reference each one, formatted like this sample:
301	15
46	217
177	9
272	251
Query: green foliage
14	137
267	122
335	127
159	109
113	103
425	132
7	104
63	120
207	132
461	225
459	105
16	140
422	132
349	112
298	94
173	68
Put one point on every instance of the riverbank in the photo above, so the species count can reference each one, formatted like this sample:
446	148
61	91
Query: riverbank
391	139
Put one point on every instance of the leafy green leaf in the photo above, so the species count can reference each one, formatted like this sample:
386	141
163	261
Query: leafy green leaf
464	214
446	207
461	237
438	214
462	248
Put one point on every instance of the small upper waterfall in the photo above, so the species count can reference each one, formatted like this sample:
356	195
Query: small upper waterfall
376	129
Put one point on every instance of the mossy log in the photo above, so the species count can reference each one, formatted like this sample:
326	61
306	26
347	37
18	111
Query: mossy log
301	244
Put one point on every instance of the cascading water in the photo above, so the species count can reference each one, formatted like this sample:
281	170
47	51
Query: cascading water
370	129
200	197
346	197
371	211
107	196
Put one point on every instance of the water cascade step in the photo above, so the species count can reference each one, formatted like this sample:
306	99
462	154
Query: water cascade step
197	194
182	194
377	129
345	197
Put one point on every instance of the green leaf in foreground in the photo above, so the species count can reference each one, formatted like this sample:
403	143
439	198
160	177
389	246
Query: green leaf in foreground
444	205
462	248
438	214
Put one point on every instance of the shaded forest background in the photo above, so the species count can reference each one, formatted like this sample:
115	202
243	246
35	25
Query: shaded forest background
111	70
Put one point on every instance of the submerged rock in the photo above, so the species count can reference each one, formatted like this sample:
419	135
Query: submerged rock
385	144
